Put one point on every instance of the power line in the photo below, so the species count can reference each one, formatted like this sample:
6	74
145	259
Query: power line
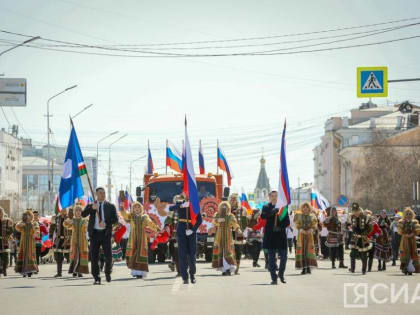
117	47
4	114
19	124
149	53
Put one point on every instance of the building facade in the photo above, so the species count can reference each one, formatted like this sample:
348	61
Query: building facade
10	173
35	175
340	155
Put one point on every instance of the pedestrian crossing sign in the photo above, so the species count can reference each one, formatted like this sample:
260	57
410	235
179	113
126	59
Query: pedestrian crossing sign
372	81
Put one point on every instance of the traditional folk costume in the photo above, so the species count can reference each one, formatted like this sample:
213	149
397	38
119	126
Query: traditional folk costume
383	243
315	232
6	230
240	214
408	228
223	248
260	226
61	239
374	234
359	244
305	251
335	238
171	223
79	252
137	255
255	238
26	260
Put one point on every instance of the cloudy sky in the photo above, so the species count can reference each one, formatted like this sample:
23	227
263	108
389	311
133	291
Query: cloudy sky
240	100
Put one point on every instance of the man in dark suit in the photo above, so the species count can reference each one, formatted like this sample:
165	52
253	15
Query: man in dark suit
102	215
275	238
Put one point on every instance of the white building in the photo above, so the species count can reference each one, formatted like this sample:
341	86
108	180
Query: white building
35	175
300	195
333	157
10	173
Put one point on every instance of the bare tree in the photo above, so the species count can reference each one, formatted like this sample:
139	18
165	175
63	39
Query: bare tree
386	180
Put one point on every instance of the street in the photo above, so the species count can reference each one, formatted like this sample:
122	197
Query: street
322	292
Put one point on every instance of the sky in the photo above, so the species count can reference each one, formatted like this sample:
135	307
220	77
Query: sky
242	101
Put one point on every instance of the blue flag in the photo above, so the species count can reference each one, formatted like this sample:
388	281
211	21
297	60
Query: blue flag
74	167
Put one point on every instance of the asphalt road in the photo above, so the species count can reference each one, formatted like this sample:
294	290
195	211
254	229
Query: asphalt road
322	292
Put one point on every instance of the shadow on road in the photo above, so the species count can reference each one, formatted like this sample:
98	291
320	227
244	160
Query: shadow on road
72	285
211	275
22	287
152	285
161	278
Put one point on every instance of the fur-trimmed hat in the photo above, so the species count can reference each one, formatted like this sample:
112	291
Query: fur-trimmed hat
355	207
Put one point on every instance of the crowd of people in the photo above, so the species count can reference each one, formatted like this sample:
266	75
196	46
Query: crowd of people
80	235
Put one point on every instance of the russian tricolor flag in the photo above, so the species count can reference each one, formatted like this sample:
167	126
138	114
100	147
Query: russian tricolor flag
318	201
283	199
150	167
245	203
201	159
223	164
173	157
190	186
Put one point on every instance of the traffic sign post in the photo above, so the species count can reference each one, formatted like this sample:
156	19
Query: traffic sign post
372	81
12	92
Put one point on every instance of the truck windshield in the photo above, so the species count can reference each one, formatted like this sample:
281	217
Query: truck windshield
167	190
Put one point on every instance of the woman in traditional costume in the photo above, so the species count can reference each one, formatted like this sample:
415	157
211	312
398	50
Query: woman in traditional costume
223	248
383	242
26	260
408	228
335	238
79	263
137	255
306	222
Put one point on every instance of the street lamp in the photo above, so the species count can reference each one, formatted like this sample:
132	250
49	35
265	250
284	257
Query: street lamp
131	166
48	139
97	155
109	164
87	107
21	44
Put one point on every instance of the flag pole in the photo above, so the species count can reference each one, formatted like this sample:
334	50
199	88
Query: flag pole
217	156
87	173
166	160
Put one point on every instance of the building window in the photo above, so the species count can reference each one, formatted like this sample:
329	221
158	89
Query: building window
354	140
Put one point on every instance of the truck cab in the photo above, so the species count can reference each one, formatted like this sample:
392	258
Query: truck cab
159	192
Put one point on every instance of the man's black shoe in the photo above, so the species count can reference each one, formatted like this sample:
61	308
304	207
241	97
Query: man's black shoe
193	280
108	277
282	280
186	281
274	282
97	281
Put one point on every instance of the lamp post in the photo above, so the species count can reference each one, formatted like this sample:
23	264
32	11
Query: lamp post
21	44
87	107
48	145
131	167
95	181
109	165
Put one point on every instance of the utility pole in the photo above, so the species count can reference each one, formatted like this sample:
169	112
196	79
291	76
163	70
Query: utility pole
298	192
49	174
109	166
131	168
